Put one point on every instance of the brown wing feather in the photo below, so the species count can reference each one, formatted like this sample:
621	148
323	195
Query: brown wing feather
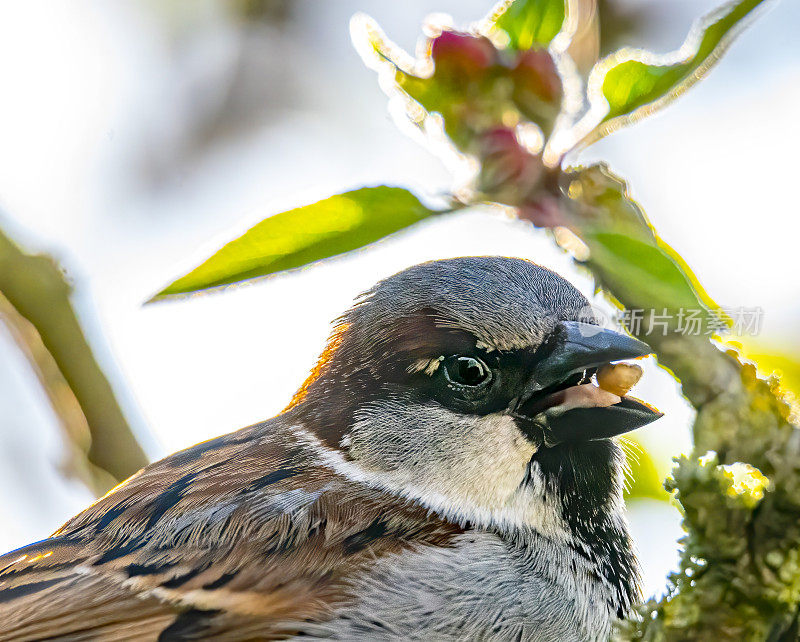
45	591
244	537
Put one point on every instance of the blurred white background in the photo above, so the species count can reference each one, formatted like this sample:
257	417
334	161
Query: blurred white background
136	137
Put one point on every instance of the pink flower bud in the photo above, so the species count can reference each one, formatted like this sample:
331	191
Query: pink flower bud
456	53
535	73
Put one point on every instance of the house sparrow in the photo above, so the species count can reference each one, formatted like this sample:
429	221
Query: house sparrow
447	472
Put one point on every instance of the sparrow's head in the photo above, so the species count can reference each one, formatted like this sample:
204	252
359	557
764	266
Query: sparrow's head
470	378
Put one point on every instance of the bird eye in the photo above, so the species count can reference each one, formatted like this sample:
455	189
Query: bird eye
466	371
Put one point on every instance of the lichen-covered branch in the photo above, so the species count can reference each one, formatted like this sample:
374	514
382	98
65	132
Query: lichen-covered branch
35	304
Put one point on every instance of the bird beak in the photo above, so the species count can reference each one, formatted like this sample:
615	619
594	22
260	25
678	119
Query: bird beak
561	404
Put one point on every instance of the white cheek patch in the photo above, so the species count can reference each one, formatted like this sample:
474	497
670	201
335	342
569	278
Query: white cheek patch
483	486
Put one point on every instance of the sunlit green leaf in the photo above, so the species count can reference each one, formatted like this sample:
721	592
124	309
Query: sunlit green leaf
626	255
530	23
634	266
634	83
300	236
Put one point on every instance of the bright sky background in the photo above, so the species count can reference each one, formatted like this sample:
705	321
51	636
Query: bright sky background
100	165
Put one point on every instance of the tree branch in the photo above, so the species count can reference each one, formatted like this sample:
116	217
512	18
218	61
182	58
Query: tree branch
35	304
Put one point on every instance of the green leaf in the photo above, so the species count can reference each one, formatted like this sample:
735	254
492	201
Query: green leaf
635	83
300	236
626	255
530	23
634	266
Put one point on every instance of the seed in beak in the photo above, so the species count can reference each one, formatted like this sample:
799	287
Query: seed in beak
618	378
